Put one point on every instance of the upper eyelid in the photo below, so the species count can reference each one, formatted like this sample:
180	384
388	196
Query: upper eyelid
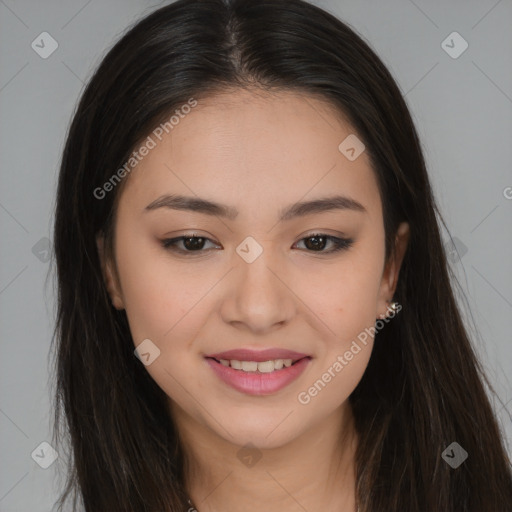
194	234
308	235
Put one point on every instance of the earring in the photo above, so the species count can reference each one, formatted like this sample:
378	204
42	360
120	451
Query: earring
392	309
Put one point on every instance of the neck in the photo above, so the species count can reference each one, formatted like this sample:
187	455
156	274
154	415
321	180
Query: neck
314	471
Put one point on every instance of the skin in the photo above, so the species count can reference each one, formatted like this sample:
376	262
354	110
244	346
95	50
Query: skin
258	153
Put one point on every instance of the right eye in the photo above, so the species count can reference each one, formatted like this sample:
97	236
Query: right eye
191	243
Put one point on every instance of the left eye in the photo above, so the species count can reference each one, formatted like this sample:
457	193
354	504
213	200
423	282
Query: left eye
319	240
315	243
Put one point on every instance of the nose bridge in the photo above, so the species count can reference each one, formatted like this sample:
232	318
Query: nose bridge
258	296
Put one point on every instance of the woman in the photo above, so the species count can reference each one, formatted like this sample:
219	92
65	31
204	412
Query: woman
255	310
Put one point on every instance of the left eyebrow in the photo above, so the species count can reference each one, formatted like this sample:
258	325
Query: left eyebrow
301	209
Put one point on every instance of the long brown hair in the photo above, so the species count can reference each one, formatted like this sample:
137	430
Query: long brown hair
423	388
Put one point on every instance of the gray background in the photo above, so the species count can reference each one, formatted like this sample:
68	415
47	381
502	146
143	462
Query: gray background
462	108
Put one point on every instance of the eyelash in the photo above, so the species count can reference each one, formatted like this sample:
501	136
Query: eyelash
340	244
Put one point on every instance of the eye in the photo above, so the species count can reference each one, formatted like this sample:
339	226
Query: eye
192	243
316	242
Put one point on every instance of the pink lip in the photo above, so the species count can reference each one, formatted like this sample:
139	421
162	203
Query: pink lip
259	356
256	383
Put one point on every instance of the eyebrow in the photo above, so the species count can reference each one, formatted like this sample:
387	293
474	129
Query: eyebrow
301	209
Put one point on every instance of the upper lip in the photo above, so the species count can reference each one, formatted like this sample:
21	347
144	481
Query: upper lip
241	354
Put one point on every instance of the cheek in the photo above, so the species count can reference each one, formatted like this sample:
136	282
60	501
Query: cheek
345	299
344	295
163	304
159	297
332	385
348	308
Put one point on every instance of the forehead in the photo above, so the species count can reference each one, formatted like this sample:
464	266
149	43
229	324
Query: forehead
256	149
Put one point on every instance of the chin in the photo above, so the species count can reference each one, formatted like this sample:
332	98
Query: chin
262	433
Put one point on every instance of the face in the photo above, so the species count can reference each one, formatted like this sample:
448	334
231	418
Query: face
307	283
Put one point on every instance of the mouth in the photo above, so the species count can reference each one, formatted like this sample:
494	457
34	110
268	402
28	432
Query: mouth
258	373
269	366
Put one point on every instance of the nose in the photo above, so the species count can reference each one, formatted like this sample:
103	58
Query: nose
259	297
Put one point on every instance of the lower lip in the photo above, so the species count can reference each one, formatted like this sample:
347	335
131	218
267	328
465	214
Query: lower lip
256	383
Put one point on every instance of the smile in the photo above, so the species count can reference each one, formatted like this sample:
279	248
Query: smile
258	377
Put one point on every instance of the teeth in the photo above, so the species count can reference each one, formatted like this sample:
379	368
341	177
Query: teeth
266	366
253	366
249	366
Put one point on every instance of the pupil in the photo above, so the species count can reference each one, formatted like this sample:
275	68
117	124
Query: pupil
315	245
196	244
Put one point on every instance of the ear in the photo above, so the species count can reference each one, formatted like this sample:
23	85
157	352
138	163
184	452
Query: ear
392	269
109	275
